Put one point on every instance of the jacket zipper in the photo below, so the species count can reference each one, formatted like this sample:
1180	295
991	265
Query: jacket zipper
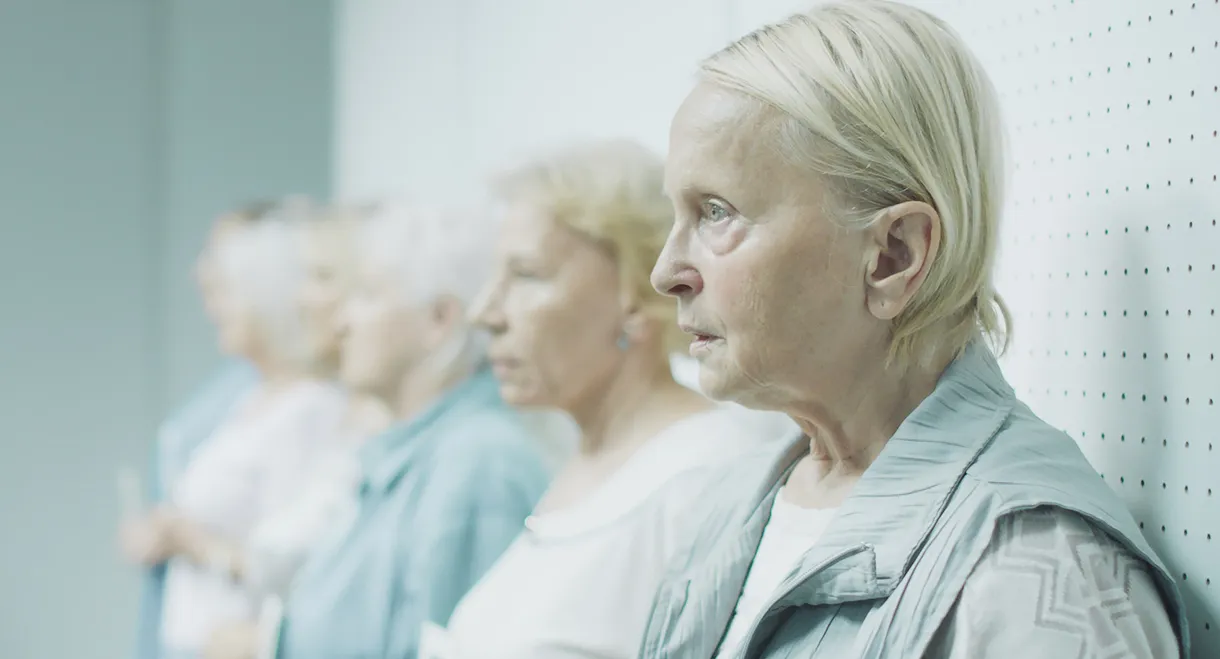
790	585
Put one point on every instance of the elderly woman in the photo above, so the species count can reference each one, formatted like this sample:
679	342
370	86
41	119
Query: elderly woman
447	487
837	185
576	326
281	543
249	471
196	419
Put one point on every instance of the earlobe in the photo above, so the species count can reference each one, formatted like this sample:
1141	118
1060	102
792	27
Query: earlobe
635	325
905	240
447	311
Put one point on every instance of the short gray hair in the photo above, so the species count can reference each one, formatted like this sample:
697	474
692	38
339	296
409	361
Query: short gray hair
433	253
263	268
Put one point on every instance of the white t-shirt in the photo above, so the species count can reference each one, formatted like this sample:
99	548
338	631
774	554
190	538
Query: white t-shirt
252	469
278	546
579	582
791	531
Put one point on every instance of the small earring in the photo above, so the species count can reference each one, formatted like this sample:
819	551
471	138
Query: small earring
623	342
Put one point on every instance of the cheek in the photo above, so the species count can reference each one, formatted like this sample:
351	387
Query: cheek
537	326
326	309
560	338
763	305
368	333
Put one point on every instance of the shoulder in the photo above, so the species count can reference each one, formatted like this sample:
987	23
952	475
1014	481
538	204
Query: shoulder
489	449
727	494
313	394
717	438
1068	587
1029	463
488	434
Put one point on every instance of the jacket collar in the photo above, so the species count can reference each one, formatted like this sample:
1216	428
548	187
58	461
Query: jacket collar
879	529
386	457
881	526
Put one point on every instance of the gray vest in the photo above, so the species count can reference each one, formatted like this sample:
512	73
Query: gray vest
889	568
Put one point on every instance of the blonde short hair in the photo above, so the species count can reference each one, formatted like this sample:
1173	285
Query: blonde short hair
613	193
887	104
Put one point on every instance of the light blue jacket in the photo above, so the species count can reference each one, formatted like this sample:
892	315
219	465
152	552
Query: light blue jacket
889	568
179	435
442	497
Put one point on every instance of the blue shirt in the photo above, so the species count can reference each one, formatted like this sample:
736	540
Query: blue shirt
183	431
442	497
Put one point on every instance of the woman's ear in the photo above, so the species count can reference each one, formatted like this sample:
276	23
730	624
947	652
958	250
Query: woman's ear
904	244
636	325
448	313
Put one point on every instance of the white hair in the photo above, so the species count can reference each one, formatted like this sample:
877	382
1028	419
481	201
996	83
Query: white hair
263	268
432	254
887	104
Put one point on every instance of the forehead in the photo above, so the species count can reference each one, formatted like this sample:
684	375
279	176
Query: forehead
721	139
380	278
528	229
327	241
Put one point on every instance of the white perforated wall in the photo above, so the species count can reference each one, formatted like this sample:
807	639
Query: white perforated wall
1111	235
1110	250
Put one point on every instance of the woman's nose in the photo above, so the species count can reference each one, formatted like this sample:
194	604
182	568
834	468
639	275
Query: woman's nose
482	311
674	277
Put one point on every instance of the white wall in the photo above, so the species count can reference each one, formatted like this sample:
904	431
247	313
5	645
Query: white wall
433	95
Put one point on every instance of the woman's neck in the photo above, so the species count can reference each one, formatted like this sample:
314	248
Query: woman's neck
636	403
273	375
366	416
848	429
421	387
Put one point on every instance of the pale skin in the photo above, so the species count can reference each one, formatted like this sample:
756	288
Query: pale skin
556	311
389	377
164	533
330	269
379	363
328	255
788	311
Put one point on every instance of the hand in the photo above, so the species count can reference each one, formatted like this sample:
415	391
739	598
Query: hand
237	640
151	539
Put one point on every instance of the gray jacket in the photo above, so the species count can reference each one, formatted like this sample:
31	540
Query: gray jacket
889	568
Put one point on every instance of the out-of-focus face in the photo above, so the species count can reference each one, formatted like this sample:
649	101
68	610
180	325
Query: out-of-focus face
239	330
554	310
382	335
770	289
206	276
329	265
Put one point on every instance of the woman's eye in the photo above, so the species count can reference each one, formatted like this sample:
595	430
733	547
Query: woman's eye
715	211
524	272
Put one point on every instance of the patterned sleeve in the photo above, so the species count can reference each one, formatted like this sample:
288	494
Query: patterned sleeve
1051	585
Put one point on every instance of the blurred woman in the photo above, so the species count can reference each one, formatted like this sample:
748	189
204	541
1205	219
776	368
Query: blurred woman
837	182
252	466
447	487
576	326
280	544
195	420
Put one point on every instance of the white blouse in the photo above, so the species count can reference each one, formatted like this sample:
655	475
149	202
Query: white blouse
246	483
579	582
